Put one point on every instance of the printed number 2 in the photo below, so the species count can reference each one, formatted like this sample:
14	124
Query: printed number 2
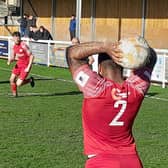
115	121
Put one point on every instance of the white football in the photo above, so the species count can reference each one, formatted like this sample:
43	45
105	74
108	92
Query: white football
135	52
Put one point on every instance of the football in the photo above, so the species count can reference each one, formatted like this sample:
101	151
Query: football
135	52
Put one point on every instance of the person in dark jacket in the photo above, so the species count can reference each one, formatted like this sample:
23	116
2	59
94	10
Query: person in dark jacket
34	33
23	24
31	21
72	27
44	34
39	33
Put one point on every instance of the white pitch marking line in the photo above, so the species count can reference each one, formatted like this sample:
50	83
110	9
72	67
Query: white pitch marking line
39	93
59	79
156	98
151	97
6	69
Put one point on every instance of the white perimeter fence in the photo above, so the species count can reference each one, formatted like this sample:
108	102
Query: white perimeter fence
52	53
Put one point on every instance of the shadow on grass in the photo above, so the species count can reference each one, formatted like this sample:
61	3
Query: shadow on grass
150	94
37	79
6	81
48	94
42	79
42	94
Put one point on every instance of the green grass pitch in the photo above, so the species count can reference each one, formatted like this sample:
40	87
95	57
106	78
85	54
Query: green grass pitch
42	127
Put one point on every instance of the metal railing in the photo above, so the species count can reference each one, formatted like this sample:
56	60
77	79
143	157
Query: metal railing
46	52
52	53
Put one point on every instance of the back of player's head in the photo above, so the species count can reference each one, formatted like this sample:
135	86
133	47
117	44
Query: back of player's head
102	57
16	34
106	61
152	58
152	52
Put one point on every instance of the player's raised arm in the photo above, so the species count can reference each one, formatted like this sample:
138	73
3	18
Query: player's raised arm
76	55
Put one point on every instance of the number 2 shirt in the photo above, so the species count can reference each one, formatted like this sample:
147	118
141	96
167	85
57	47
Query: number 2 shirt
109	110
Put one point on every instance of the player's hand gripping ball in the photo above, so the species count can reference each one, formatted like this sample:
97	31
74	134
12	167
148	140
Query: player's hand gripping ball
135	52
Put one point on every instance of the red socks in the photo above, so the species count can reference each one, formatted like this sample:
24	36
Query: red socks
14	89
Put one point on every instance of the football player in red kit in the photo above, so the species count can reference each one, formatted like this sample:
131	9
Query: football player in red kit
110	104
24	58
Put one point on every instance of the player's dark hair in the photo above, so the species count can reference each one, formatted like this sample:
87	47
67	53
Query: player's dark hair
152	58
16	33
102	57
107	62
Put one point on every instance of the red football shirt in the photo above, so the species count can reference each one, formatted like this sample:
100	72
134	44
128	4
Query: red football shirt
22	54
109	110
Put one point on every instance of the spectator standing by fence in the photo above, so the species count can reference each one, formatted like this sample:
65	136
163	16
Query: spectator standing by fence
33	33
31	21
44	34
72	27
23	24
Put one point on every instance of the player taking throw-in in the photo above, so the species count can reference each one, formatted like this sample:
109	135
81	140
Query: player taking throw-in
24	58
110	103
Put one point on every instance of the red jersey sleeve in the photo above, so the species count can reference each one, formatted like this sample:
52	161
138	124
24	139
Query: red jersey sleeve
26	48
140	79
89	82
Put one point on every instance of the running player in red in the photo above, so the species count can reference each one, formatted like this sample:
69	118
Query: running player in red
24	58
110	104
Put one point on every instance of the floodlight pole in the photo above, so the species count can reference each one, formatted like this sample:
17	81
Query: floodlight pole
143	18
53	14
93	13
78	17
21	8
